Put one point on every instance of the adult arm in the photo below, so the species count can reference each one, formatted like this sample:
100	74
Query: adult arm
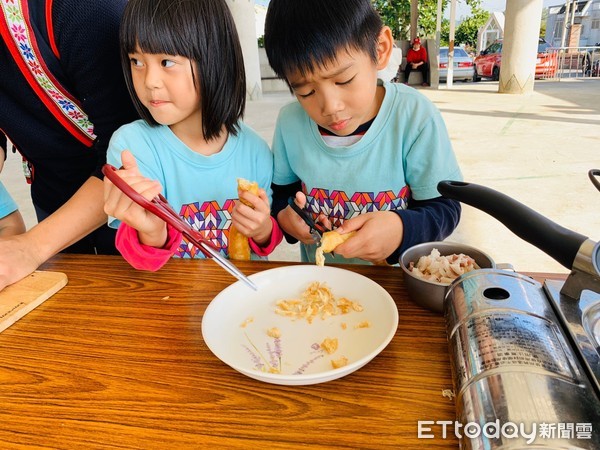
22	254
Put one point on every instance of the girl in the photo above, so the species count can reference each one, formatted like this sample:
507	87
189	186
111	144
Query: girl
184	70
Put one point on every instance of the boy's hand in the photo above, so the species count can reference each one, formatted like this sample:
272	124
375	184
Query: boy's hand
293	224
253	222
151	229
378	234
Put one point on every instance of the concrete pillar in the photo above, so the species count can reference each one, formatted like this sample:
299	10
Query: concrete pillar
519	51
245	22
414	19
574	36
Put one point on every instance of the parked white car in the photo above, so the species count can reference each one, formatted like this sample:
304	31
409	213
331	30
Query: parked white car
463	65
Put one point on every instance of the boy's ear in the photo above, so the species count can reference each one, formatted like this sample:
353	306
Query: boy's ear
385	44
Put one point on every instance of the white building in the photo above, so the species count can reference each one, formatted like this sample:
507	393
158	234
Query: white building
491	31
583	28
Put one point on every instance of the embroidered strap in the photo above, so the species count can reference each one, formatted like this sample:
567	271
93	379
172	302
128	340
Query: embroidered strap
18	34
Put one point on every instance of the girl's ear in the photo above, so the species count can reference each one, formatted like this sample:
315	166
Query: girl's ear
385	44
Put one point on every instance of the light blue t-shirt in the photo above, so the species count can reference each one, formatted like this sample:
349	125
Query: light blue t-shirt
202	189
7	204
406	151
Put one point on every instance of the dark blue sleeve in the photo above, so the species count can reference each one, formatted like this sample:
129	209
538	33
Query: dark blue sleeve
281	193
425	221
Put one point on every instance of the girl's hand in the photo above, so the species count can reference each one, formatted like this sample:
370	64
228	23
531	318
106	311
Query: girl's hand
378	235
151	229
293	224
253	222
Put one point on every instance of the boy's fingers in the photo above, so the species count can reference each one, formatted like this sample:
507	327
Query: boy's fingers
352	224
300	199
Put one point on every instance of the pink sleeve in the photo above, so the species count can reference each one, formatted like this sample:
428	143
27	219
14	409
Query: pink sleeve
145	257
267	249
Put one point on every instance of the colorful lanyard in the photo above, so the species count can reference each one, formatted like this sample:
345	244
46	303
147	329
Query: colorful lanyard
17	32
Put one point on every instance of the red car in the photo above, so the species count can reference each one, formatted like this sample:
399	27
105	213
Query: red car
487	64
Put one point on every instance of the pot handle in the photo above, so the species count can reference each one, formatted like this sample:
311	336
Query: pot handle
558	242
593	174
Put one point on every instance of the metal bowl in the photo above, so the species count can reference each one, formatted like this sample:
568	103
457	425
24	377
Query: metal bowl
430	294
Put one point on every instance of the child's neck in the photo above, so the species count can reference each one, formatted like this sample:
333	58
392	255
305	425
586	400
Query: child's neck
194	139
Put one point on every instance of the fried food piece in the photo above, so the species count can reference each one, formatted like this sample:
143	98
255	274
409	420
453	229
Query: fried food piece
340	362
329	241
239	247
330	345
274	332
247	186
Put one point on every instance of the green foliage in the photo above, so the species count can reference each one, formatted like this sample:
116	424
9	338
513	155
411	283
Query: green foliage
466	32
396	15
543	24
261	41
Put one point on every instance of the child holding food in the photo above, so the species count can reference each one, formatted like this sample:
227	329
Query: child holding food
360	154
184	70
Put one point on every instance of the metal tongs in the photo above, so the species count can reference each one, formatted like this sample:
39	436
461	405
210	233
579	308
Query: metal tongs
161	208
316	229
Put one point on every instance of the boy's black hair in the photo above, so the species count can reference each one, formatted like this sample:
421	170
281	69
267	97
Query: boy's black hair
305	35
202	31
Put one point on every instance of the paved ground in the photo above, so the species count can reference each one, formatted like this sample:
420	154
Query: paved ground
536	148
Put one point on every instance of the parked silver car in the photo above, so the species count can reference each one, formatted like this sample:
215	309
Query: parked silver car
463	65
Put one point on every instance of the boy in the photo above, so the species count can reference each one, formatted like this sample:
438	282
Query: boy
365	155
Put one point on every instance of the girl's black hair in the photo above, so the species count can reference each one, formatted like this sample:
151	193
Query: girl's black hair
202	31
304	35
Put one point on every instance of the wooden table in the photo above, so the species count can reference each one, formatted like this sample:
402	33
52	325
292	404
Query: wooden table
116	359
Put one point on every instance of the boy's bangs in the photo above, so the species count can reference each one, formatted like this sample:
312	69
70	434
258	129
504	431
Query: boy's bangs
305	36
321	59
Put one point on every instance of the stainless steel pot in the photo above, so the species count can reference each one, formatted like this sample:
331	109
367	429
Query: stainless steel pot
523	352
512	364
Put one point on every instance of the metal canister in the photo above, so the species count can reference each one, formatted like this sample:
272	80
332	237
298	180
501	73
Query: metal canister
517	378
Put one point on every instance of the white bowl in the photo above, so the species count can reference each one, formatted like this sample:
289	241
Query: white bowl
235	326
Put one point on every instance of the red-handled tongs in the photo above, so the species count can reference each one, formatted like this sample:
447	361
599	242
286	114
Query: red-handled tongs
161	208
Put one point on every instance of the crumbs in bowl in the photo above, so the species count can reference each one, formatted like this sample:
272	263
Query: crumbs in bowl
330	345
340	362
245	323
363	324
274	332
316	301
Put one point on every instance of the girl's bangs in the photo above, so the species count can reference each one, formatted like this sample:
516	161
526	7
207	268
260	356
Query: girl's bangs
153	33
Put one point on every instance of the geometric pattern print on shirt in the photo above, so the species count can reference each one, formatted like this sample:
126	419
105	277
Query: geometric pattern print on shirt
210	219
339	206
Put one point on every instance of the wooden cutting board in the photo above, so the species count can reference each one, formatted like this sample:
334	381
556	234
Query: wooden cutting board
22	297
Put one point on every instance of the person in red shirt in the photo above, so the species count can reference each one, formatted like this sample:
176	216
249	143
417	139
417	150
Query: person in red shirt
416	59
